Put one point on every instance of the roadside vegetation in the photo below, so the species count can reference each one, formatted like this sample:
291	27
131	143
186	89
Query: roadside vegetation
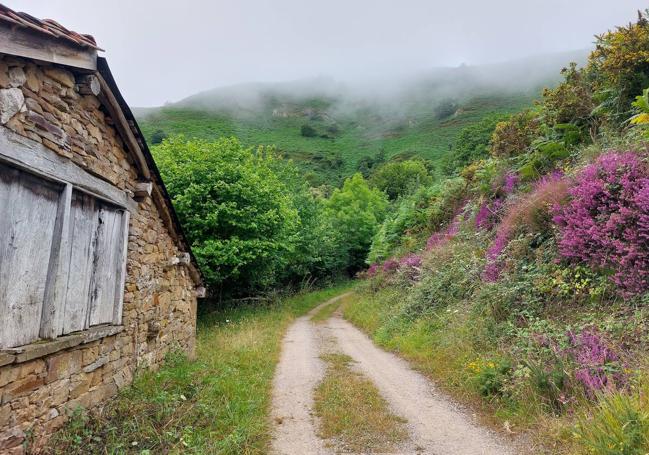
353	417
217	403
520	282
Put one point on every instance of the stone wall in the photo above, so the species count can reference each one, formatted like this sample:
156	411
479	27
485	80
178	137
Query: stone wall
38	388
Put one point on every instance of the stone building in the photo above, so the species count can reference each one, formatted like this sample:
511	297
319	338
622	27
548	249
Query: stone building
96	277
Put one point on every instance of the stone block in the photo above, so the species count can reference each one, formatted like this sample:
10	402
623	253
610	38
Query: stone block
21	387
63	365
61	76
11	438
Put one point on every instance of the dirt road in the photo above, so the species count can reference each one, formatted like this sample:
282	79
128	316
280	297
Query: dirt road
436	425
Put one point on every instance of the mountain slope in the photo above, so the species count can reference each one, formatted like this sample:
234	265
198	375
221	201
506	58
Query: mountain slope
327	126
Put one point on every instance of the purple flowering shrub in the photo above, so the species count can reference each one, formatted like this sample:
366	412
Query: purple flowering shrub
567	363
410	265
598	367
606	222
488	214
532	213
441	238
390	266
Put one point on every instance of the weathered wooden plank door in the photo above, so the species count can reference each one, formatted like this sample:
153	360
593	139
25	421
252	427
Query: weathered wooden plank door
84	220
28	209
107	261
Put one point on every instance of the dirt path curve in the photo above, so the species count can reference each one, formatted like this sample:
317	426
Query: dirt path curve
298	373
437	425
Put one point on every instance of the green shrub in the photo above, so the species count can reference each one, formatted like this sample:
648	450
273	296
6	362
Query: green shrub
471	144
399	178
491	376
514	136
308	131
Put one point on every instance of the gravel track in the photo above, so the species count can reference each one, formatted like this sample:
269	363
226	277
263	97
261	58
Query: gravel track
436	425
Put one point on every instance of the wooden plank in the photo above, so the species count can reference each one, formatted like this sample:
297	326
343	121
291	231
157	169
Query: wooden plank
30	155
28	209
105	259
120	282
57	275
84	220
24	43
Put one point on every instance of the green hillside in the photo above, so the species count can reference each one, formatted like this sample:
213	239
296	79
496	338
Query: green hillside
340	140
327	127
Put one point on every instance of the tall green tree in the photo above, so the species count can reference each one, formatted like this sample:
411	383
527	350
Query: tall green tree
238	214
398	178
354	213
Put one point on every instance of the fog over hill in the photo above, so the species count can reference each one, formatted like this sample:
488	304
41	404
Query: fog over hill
391	92
329	126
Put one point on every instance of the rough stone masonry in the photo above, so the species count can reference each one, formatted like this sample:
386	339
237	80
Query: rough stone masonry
41	384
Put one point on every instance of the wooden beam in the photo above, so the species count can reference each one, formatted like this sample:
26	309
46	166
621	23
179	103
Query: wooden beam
25	43
34	157
121	278
56	285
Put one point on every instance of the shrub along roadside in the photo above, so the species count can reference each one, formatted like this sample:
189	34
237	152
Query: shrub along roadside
215	404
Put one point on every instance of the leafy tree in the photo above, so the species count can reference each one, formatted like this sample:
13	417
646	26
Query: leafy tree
158	136
513	137
308	131
237	213
619	66
445	109
354	212
572	101
398	178
367	163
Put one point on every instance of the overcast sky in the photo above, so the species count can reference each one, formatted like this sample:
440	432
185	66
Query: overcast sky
162	50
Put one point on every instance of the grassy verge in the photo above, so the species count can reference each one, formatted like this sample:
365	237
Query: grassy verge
327	311
216	404
352	412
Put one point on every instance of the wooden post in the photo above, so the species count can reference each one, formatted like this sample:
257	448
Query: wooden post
56	284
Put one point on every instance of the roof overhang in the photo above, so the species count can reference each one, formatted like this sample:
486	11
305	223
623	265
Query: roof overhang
25	42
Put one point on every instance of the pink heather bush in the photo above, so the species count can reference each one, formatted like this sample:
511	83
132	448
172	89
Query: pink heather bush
606	222
442	237
510	182
410	265
411	260
598	366
372	270
390	266
487	215
531	213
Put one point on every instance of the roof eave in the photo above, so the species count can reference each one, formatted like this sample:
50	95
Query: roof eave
23	42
